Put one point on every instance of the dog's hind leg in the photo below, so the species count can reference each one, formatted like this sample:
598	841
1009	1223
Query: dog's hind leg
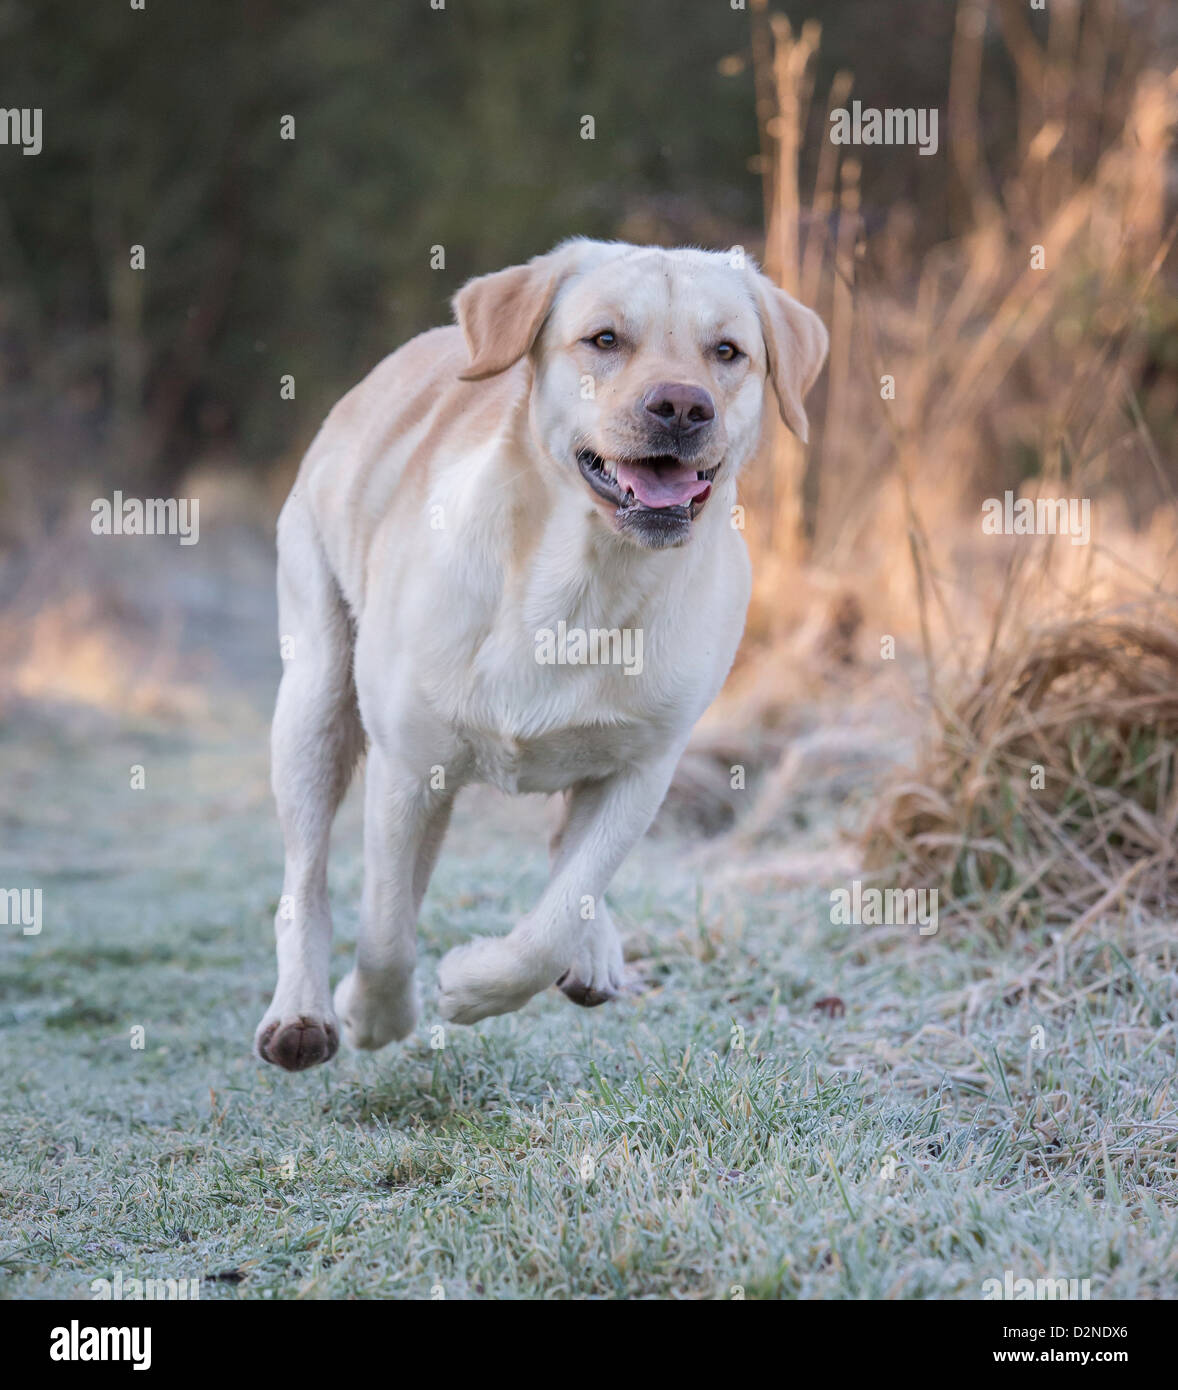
316	739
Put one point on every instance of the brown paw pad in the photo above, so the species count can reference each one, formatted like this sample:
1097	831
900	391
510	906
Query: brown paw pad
581	993
298	1045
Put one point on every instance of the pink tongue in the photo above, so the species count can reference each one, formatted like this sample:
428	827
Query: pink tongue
669	486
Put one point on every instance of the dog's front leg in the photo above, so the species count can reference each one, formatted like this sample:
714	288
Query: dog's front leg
404	822
605	819
597	973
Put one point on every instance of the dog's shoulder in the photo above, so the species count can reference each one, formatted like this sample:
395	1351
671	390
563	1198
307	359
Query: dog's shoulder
424	366
382	444
419	380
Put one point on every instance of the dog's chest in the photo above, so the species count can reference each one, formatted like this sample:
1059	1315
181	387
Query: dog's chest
551	761
541	727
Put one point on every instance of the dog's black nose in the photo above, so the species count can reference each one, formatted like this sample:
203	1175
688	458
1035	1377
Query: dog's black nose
679	409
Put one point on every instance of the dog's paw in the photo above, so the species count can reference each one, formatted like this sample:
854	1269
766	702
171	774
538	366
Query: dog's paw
598	972
371	1016
588	996
485	977
294	1044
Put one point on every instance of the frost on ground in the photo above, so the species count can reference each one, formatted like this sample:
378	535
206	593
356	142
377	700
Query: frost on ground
782	1107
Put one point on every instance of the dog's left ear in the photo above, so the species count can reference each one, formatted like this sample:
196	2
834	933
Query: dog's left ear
796	341
501	314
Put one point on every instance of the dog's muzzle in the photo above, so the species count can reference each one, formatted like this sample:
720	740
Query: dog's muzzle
661	482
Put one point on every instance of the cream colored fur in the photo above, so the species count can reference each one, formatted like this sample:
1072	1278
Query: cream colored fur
438	522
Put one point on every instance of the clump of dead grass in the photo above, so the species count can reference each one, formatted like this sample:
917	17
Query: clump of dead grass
1049	792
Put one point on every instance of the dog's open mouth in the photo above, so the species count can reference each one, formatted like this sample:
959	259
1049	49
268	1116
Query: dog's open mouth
661	483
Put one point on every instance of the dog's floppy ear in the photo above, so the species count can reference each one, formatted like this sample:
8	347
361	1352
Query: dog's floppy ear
795	341
501	314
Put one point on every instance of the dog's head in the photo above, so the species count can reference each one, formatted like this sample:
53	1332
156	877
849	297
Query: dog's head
650	370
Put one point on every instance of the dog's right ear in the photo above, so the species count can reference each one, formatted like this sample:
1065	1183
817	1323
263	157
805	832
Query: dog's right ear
501	314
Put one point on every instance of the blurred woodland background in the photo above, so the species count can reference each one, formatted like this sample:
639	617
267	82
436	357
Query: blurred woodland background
461	129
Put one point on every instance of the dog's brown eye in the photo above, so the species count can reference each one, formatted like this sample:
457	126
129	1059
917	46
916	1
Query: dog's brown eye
727	352
606	339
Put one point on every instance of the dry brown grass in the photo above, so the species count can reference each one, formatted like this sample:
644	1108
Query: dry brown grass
1050	790
1031	653
1005	375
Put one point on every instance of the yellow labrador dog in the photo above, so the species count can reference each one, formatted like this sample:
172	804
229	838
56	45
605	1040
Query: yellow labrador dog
510	557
